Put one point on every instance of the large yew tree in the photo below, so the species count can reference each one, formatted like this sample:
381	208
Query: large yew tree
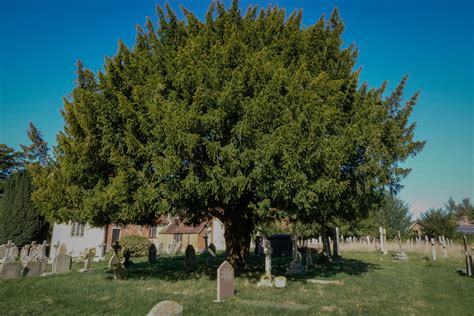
242	117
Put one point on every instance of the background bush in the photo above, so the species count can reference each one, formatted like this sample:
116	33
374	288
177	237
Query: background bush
137	245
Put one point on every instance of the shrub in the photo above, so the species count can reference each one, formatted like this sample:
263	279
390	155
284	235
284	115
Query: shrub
137	245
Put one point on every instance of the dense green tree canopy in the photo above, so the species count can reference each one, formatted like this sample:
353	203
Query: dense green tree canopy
20	221
393	214
243	117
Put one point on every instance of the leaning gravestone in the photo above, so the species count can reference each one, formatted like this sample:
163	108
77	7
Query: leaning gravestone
225	281
33	267
10	270
190	256
119	271
113	261
62	264
166	308
87	264
14	252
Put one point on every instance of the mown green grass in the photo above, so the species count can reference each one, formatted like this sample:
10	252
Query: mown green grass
370	284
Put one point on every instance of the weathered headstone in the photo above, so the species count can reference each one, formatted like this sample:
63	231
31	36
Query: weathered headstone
211	255
62	250
119	271
443	247
24	252
336	243
113	261
166	308
14	252
190	258
3	251
296	266
33	267
266	279
10	270
401	255
468	257
126	258
152	253
225	281
433	250
90	254
62	264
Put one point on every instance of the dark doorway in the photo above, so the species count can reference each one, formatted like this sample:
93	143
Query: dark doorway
115	235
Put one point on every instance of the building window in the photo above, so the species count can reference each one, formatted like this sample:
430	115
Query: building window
77	229
178	237
153	232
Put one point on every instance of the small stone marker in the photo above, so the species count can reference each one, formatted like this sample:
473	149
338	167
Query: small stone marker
225	281
166	308
280	282
190	256
119	271
62	264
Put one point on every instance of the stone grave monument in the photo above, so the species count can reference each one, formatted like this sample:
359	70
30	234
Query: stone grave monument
225	281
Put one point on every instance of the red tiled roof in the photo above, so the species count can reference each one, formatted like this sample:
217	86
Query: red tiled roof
180	228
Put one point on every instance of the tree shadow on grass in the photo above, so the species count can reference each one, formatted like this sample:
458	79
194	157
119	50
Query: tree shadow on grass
173	268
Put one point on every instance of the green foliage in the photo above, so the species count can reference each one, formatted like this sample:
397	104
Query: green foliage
8	161
137	245
252	114
394	215
438	222
460	210
37	152
20	220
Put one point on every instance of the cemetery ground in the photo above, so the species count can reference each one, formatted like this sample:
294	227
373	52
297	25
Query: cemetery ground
363	283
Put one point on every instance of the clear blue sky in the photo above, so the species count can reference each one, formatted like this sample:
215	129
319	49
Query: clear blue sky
432	41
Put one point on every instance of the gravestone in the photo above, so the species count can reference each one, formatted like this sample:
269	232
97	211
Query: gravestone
266	280
152	253
336	243
225	281
443	247
401	255
62	264
14	252
126	258
56	248
62	250
87	263
113	261
10	270
296	266
166	308
280	282
119	271
33	267
190	258
3	251
433	251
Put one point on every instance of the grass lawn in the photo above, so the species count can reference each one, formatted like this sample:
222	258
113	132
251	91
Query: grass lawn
367	284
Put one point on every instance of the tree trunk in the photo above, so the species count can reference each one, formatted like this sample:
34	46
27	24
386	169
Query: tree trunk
238	229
